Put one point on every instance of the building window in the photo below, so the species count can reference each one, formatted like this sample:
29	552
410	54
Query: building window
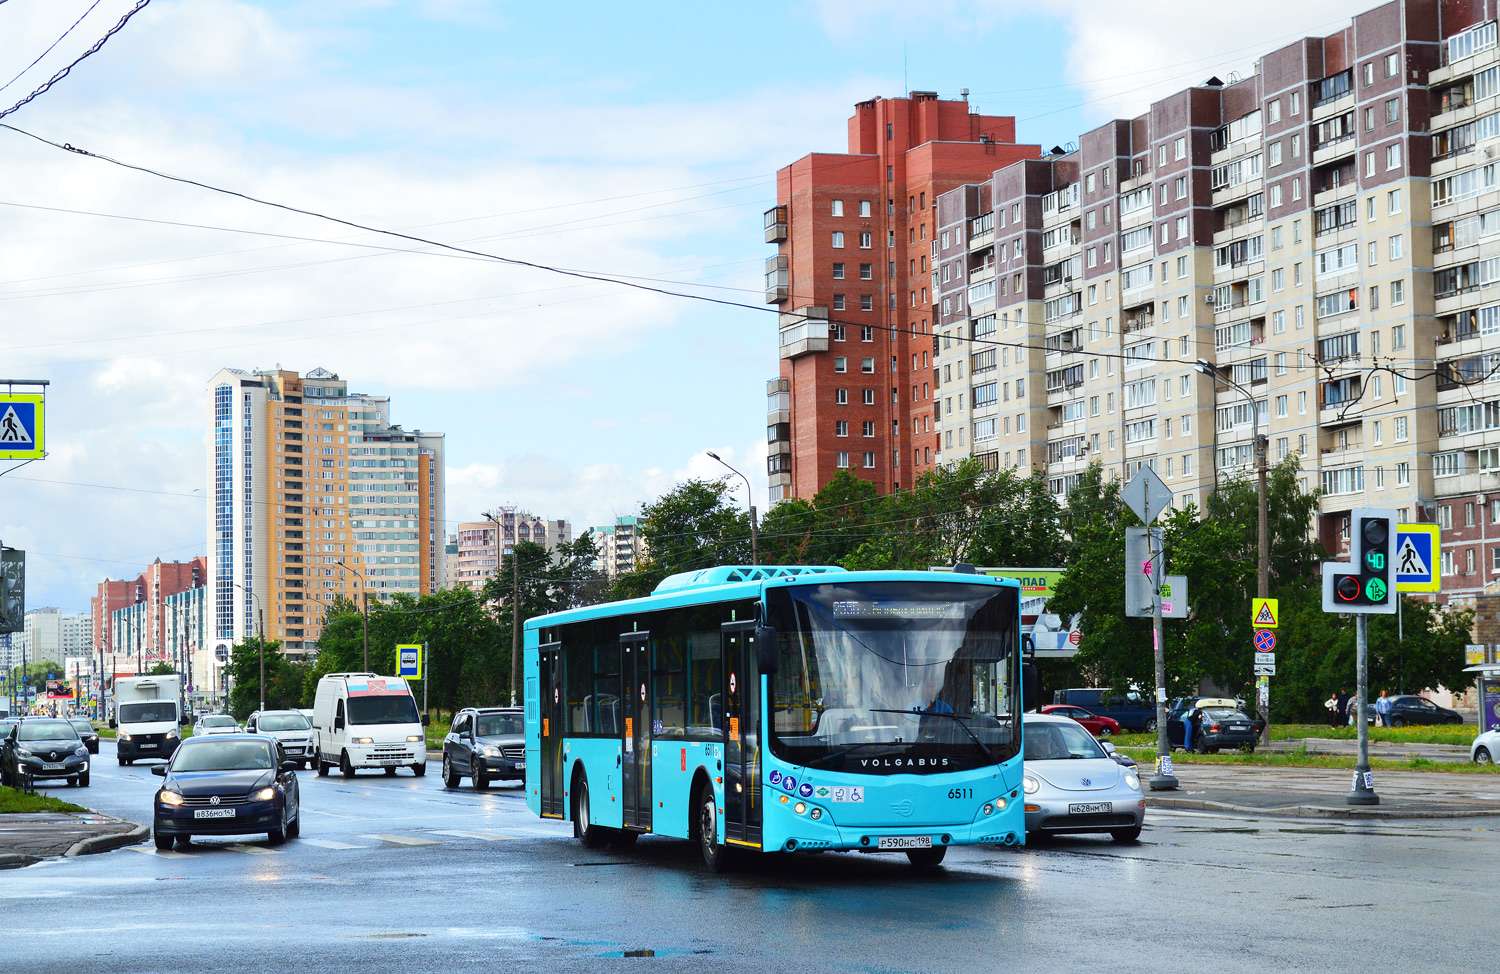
838	270
1398	293
1392	110
841	397
864	208
1400	429
869	397
838	207
867	366
838	302
867	302
1392	65
841	427
864	241
869	459
868	428
1393	201
838	239
1403	474
1393	156
840	364
841	460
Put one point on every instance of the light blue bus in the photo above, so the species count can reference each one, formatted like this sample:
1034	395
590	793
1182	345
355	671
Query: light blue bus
783	709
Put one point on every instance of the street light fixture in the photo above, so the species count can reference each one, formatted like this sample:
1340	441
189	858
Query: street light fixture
261	615
364	601
750	496
515	603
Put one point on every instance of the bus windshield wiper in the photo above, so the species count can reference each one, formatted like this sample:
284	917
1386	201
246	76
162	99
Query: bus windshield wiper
956	718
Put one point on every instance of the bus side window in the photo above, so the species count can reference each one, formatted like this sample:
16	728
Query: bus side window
669	697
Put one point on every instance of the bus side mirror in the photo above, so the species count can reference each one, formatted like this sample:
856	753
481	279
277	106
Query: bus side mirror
1029	686
765	649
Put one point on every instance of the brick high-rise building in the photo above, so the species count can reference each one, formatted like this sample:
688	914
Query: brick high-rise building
1323	232
853	279
316	495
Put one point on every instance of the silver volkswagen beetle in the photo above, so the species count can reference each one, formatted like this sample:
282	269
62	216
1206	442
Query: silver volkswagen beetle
1073	785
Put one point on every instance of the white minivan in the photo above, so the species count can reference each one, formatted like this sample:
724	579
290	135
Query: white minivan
362	720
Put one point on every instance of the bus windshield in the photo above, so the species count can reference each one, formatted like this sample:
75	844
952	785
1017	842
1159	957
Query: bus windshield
895	677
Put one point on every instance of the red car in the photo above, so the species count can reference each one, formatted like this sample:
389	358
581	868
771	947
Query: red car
1098	726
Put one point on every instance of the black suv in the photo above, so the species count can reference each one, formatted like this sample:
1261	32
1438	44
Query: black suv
485	744
44	747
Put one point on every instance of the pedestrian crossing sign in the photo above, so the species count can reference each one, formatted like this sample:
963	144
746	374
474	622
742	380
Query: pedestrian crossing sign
1418	552
21	427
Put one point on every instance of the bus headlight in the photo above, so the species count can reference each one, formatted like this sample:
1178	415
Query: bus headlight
800	807
816	813
1031	785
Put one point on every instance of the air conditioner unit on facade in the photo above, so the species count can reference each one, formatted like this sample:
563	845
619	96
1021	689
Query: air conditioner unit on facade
1208	299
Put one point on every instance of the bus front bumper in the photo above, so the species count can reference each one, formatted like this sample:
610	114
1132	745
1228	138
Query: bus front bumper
1005	826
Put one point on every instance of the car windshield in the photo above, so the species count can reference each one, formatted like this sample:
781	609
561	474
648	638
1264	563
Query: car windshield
223	755
218	721
395	708
282	722
47	730
155	711
498	725
898	676
1224	713
1060	742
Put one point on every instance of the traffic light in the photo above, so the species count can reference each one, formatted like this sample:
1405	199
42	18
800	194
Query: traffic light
1367	582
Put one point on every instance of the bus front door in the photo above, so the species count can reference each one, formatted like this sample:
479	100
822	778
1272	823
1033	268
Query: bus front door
742	797
635	760
551	705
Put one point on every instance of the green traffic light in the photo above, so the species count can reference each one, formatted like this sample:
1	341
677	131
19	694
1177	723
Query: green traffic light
1375	590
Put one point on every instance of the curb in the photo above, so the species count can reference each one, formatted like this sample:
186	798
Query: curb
108	843
1318	811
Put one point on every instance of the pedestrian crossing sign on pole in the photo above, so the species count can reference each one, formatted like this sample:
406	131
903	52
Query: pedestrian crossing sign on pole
1418	551
21	427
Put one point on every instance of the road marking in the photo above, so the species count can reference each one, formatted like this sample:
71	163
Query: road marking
401	839
352	818
328	844
161	853
487	836
254	850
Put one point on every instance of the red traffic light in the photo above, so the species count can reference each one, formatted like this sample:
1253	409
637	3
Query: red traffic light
1347	587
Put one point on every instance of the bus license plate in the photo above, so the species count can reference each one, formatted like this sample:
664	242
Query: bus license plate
906	842
213	813
52	767
1089	808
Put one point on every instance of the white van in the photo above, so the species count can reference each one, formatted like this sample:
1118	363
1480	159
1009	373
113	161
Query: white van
362	720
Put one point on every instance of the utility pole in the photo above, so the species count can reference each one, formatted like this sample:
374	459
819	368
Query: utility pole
515	621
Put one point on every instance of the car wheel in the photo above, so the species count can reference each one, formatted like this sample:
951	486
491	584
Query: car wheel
1126	835
73	781
480	776
83	780
420	770
1398	722
1482	756
345	768
927	858
121	760
450	780
390	771
1106	732
715	856
183	841
162	842
276	836
294	827
592	836
1151	726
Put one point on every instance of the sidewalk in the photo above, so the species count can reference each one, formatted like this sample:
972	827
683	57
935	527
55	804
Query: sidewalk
1319	793
28	837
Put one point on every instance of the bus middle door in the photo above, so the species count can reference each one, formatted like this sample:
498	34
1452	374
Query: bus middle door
635	710
550	706
742	797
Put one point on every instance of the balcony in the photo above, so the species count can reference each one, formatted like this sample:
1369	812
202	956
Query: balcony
1333	149
1134	323
777	281
804	338
776	224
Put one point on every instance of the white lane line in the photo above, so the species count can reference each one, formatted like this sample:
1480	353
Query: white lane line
161	853
254	850
401	839
327	844
487	836
317	811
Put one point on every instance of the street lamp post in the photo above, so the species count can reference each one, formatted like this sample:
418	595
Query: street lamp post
1262	521
261	615
515	605
750	496
364	602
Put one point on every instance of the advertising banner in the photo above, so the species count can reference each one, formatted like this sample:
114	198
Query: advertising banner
1045	632
1489	703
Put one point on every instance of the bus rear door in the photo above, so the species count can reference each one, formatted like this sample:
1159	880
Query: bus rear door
635	762
742	797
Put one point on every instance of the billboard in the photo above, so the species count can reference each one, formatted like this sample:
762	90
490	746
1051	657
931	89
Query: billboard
1045	633
59	690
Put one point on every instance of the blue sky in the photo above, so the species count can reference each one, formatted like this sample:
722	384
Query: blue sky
636	140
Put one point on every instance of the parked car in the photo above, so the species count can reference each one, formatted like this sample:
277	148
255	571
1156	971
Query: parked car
1222	727
1132	711
86	733
1412	709
215	724
1073	785
288	727
44	747
485	744
226	785
1486	747
1097	725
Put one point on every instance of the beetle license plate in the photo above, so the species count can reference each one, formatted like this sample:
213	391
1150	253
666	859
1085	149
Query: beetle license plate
1090	808
213	813
905	842
52	767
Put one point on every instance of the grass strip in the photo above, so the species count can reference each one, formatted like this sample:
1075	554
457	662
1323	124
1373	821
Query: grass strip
13	801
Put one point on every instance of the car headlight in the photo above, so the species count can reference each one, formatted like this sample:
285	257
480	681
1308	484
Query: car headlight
364	740
22	752
80	749
1132	781
1031	785
490	751
171	798
124	737
172	733
413	738
264	795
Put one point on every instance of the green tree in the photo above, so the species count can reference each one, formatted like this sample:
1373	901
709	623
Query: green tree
162	669
692	526
285	679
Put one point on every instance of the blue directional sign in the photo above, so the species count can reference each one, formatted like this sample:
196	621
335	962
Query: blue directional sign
1418	551
21	427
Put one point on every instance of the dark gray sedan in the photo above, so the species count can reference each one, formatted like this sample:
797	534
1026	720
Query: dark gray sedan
485	744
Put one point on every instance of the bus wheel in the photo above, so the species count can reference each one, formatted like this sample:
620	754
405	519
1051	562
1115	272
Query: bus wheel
715	856
927	858
592	836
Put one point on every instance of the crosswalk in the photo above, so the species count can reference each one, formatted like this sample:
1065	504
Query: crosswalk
372	841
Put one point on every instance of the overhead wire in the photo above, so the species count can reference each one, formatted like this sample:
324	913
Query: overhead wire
67	69
51	47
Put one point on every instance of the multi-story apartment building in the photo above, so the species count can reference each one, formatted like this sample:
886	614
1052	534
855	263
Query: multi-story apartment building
619	545
138	615
316	496
477	555
852	279
1321	233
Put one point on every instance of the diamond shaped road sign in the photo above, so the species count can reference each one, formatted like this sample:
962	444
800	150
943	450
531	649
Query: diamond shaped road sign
1146	495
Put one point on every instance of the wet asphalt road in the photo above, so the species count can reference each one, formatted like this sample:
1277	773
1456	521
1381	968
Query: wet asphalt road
399	874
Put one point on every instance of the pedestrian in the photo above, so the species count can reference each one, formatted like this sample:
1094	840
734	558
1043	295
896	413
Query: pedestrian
1196	721
1343	701
1383	710
1332	706
1187	730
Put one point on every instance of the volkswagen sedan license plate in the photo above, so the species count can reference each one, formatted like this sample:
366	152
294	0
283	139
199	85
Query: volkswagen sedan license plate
52	767
213	813
1089	808
906	842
